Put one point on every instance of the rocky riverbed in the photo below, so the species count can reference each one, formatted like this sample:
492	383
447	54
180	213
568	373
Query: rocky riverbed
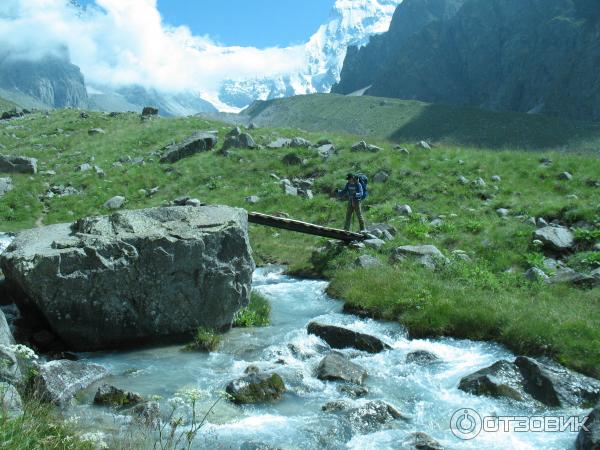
313	413
404	387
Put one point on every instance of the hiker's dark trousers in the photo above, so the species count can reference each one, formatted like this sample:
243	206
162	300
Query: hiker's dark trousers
354	206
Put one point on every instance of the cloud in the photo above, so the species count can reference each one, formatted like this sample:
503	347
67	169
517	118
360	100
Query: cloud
124	42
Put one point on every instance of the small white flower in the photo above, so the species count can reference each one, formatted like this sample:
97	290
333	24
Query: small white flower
176	402
22	351
73	420
191	395
96	439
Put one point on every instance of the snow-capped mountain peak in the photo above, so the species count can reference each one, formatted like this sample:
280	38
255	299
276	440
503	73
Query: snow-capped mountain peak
351	22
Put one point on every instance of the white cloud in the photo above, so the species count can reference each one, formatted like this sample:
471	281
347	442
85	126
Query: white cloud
124	42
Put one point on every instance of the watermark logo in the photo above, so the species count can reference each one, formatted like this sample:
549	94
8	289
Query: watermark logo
467	423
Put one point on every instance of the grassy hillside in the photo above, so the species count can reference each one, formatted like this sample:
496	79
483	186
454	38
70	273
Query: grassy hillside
409	121
15	98
484	298
5	105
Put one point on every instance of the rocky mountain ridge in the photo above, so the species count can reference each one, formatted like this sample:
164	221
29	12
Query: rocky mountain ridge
52	81
520	55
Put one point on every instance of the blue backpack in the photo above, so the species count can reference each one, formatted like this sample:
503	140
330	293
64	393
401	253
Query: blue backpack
364	183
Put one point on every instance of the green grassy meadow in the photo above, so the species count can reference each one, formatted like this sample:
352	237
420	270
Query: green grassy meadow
484	298
410	120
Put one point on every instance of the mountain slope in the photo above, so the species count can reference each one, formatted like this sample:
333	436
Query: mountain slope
52	81
360	68
135	98
410	121
5	104
520	55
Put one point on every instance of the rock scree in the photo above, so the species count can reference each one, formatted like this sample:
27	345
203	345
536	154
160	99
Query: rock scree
134	277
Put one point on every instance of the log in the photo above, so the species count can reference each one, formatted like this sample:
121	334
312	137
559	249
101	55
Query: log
303	227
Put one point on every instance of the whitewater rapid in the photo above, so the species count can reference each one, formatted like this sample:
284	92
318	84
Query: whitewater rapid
427	394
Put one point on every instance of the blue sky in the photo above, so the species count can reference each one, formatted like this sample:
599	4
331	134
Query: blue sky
258	23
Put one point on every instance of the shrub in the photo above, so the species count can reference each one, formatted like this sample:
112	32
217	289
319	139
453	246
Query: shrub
587	236
206	340
256	314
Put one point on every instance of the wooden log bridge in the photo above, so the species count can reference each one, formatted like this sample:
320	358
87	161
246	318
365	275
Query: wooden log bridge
303	227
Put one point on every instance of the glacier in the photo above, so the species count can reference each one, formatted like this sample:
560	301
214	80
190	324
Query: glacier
351	22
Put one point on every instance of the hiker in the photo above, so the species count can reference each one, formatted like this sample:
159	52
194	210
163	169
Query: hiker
356	192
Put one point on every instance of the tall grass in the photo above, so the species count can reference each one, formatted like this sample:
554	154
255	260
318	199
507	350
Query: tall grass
40	427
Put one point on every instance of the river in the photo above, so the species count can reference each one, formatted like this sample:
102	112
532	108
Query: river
428	394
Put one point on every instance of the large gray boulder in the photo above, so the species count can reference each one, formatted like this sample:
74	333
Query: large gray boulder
426	255
9	366
340	337
525	378
359	146
554	385
590	439
58	381
566	275
115	202
238	140
135	276
10	401
17	164
367	262
335	366
6	337
196	143
299	142
558	239
5	185
280	143
536	274
501	379
10	371
326	150
381	177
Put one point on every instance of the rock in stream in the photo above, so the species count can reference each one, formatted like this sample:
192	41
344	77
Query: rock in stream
134	276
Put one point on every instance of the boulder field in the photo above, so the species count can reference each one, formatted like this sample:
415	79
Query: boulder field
134	277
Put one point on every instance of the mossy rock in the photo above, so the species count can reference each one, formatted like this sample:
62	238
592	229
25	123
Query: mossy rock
256	388
111	396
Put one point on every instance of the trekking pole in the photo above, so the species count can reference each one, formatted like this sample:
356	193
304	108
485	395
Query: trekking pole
328	217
